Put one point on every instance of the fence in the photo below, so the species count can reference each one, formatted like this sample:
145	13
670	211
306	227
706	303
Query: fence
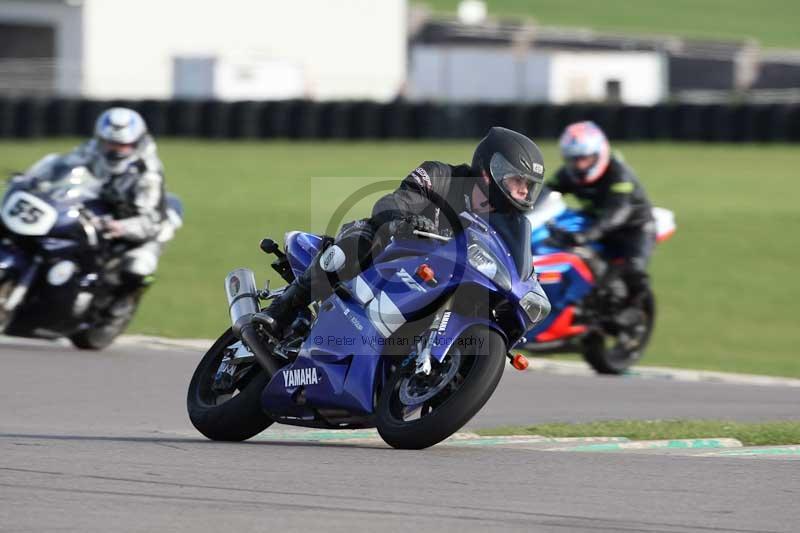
32	118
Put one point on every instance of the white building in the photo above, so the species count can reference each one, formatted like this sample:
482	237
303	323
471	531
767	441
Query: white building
498	74
232	49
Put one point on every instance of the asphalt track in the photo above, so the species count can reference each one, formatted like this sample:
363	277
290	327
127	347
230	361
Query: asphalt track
101	442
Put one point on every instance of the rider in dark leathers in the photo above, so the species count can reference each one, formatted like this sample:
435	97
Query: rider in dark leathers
608	190
506	176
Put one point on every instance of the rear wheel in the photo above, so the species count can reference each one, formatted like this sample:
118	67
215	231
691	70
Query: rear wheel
616	353
416	411
229	410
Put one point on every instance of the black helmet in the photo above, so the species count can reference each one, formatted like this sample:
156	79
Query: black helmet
513	162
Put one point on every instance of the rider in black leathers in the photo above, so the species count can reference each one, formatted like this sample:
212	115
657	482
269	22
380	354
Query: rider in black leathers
506	175
609	191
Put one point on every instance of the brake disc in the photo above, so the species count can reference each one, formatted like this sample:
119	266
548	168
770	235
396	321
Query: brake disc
419	388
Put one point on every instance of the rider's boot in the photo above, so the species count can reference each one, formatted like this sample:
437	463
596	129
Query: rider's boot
638	287
315	283
283	309
127	294
638	282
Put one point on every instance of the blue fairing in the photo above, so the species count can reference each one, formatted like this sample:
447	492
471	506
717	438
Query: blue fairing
563	283
569	220
343	354
301	248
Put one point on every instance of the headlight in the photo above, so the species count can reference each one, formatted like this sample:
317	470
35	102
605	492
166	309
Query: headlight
487	264
60	273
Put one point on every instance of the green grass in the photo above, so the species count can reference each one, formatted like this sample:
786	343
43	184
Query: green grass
750	434
774	23
727	285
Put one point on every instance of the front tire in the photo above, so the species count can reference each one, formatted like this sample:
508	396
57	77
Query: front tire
110	324
6	287
233	419
98	337
469	387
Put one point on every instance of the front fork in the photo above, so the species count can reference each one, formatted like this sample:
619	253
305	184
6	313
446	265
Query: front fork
21	288
423	363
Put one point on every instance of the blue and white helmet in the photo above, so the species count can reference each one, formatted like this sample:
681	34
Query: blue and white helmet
119	135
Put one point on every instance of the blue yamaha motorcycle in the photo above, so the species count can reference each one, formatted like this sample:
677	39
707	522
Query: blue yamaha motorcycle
414	345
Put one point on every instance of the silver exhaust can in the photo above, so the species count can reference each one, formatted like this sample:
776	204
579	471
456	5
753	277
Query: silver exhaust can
240	288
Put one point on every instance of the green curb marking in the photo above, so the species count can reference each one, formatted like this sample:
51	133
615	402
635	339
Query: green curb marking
778	450
555	444
529	439
458	439
656	445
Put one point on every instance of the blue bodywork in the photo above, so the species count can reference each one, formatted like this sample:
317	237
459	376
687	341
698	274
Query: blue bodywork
66	236
571	284
342	362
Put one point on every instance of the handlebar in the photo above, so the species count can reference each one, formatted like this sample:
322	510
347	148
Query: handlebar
428	235
93	225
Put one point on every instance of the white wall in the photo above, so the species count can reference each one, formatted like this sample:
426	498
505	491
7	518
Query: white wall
502	74
582	76
346	49
67	20
477	74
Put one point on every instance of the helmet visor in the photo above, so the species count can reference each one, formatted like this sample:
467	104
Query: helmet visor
521	188
117	151
581	165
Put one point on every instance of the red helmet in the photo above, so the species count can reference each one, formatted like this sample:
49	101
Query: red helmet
579	141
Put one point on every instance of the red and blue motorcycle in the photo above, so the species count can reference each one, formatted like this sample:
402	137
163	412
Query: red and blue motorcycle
591	314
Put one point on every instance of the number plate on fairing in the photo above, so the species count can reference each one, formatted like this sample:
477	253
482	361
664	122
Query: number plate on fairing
25	214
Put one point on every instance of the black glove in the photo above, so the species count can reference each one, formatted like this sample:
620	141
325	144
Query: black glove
586	236
579	238
562	237
558	236
404	227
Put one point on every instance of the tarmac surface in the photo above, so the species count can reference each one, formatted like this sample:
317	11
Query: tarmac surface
101	442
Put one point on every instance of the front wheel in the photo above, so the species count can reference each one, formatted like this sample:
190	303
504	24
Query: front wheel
109	324
416	411
229	409
6	287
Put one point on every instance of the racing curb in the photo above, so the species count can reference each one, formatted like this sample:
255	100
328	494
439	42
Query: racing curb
759	451
370	437
549	366
671	444
707	447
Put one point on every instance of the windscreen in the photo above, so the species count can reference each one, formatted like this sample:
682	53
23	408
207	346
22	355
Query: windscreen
515	230
66	183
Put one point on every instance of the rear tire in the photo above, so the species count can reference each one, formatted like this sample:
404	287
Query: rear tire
238	418
478	373
617	359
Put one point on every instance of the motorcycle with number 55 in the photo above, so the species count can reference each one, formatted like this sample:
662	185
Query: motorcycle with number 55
59	274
